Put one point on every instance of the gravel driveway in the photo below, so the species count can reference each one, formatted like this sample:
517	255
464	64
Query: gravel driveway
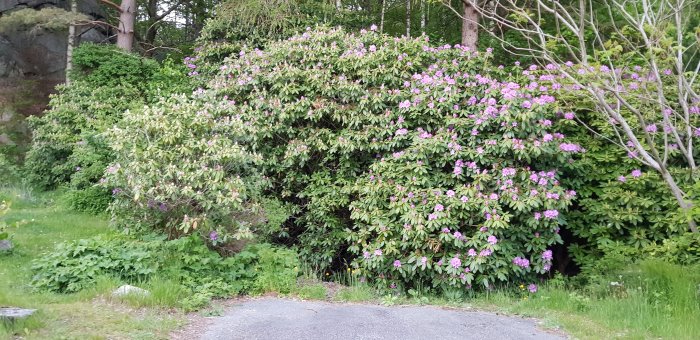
275	318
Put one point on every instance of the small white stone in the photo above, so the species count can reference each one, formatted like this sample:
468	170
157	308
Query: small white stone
127	289
13	313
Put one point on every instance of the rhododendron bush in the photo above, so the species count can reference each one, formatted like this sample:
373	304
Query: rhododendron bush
423	164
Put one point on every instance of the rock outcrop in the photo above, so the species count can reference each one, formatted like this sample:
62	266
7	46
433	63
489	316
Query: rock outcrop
42	53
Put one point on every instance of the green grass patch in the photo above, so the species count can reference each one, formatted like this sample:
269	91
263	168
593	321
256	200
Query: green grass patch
311	292
651	300
356	293
38	222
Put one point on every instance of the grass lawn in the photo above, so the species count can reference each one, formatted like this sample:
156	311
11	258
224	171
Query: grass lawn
87	315
658	301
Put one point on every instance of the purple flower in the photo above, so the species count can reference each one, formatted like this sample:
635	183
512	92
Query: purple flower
485	253
492	239
569	115
521	262
636	173
450	193
401	132
532	288
508	172
651	128
457	235
551	214
622	179
570	147
455	262
432	216
547	255
464	199
404	104
397	264
378	252
439	207
471	252
423	260
213	235
365	254
373	28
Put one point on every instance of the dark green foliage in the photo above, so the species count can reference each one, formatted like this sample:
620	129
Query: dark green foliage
8	171
72	267
69	147
93	200
67	138
619	202
106	65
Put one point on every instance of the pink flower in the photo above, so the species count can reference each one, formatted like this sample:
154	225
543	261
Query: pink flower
450	193
569	115
538	216
397	264
471	252
622	179
373	28
455	262
464	199
404	104
439	207
432	216
492	239
378	252
636	173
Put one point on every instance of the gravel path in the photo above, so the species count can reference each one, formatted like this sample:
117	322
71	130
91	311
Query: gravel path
274	318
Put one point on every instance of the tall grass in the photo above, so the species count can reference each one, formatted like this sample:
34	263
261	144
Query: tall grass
651	299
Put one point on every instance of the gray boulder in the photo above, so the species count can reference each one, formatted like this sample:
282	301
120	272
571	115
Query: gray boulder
6	245
43	53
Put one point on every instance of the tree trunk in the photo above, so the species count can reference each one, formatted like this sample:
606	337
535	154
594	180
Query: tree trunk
470	25
152	30
678	194
422	16
408	18
71	42
381	19
127	17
